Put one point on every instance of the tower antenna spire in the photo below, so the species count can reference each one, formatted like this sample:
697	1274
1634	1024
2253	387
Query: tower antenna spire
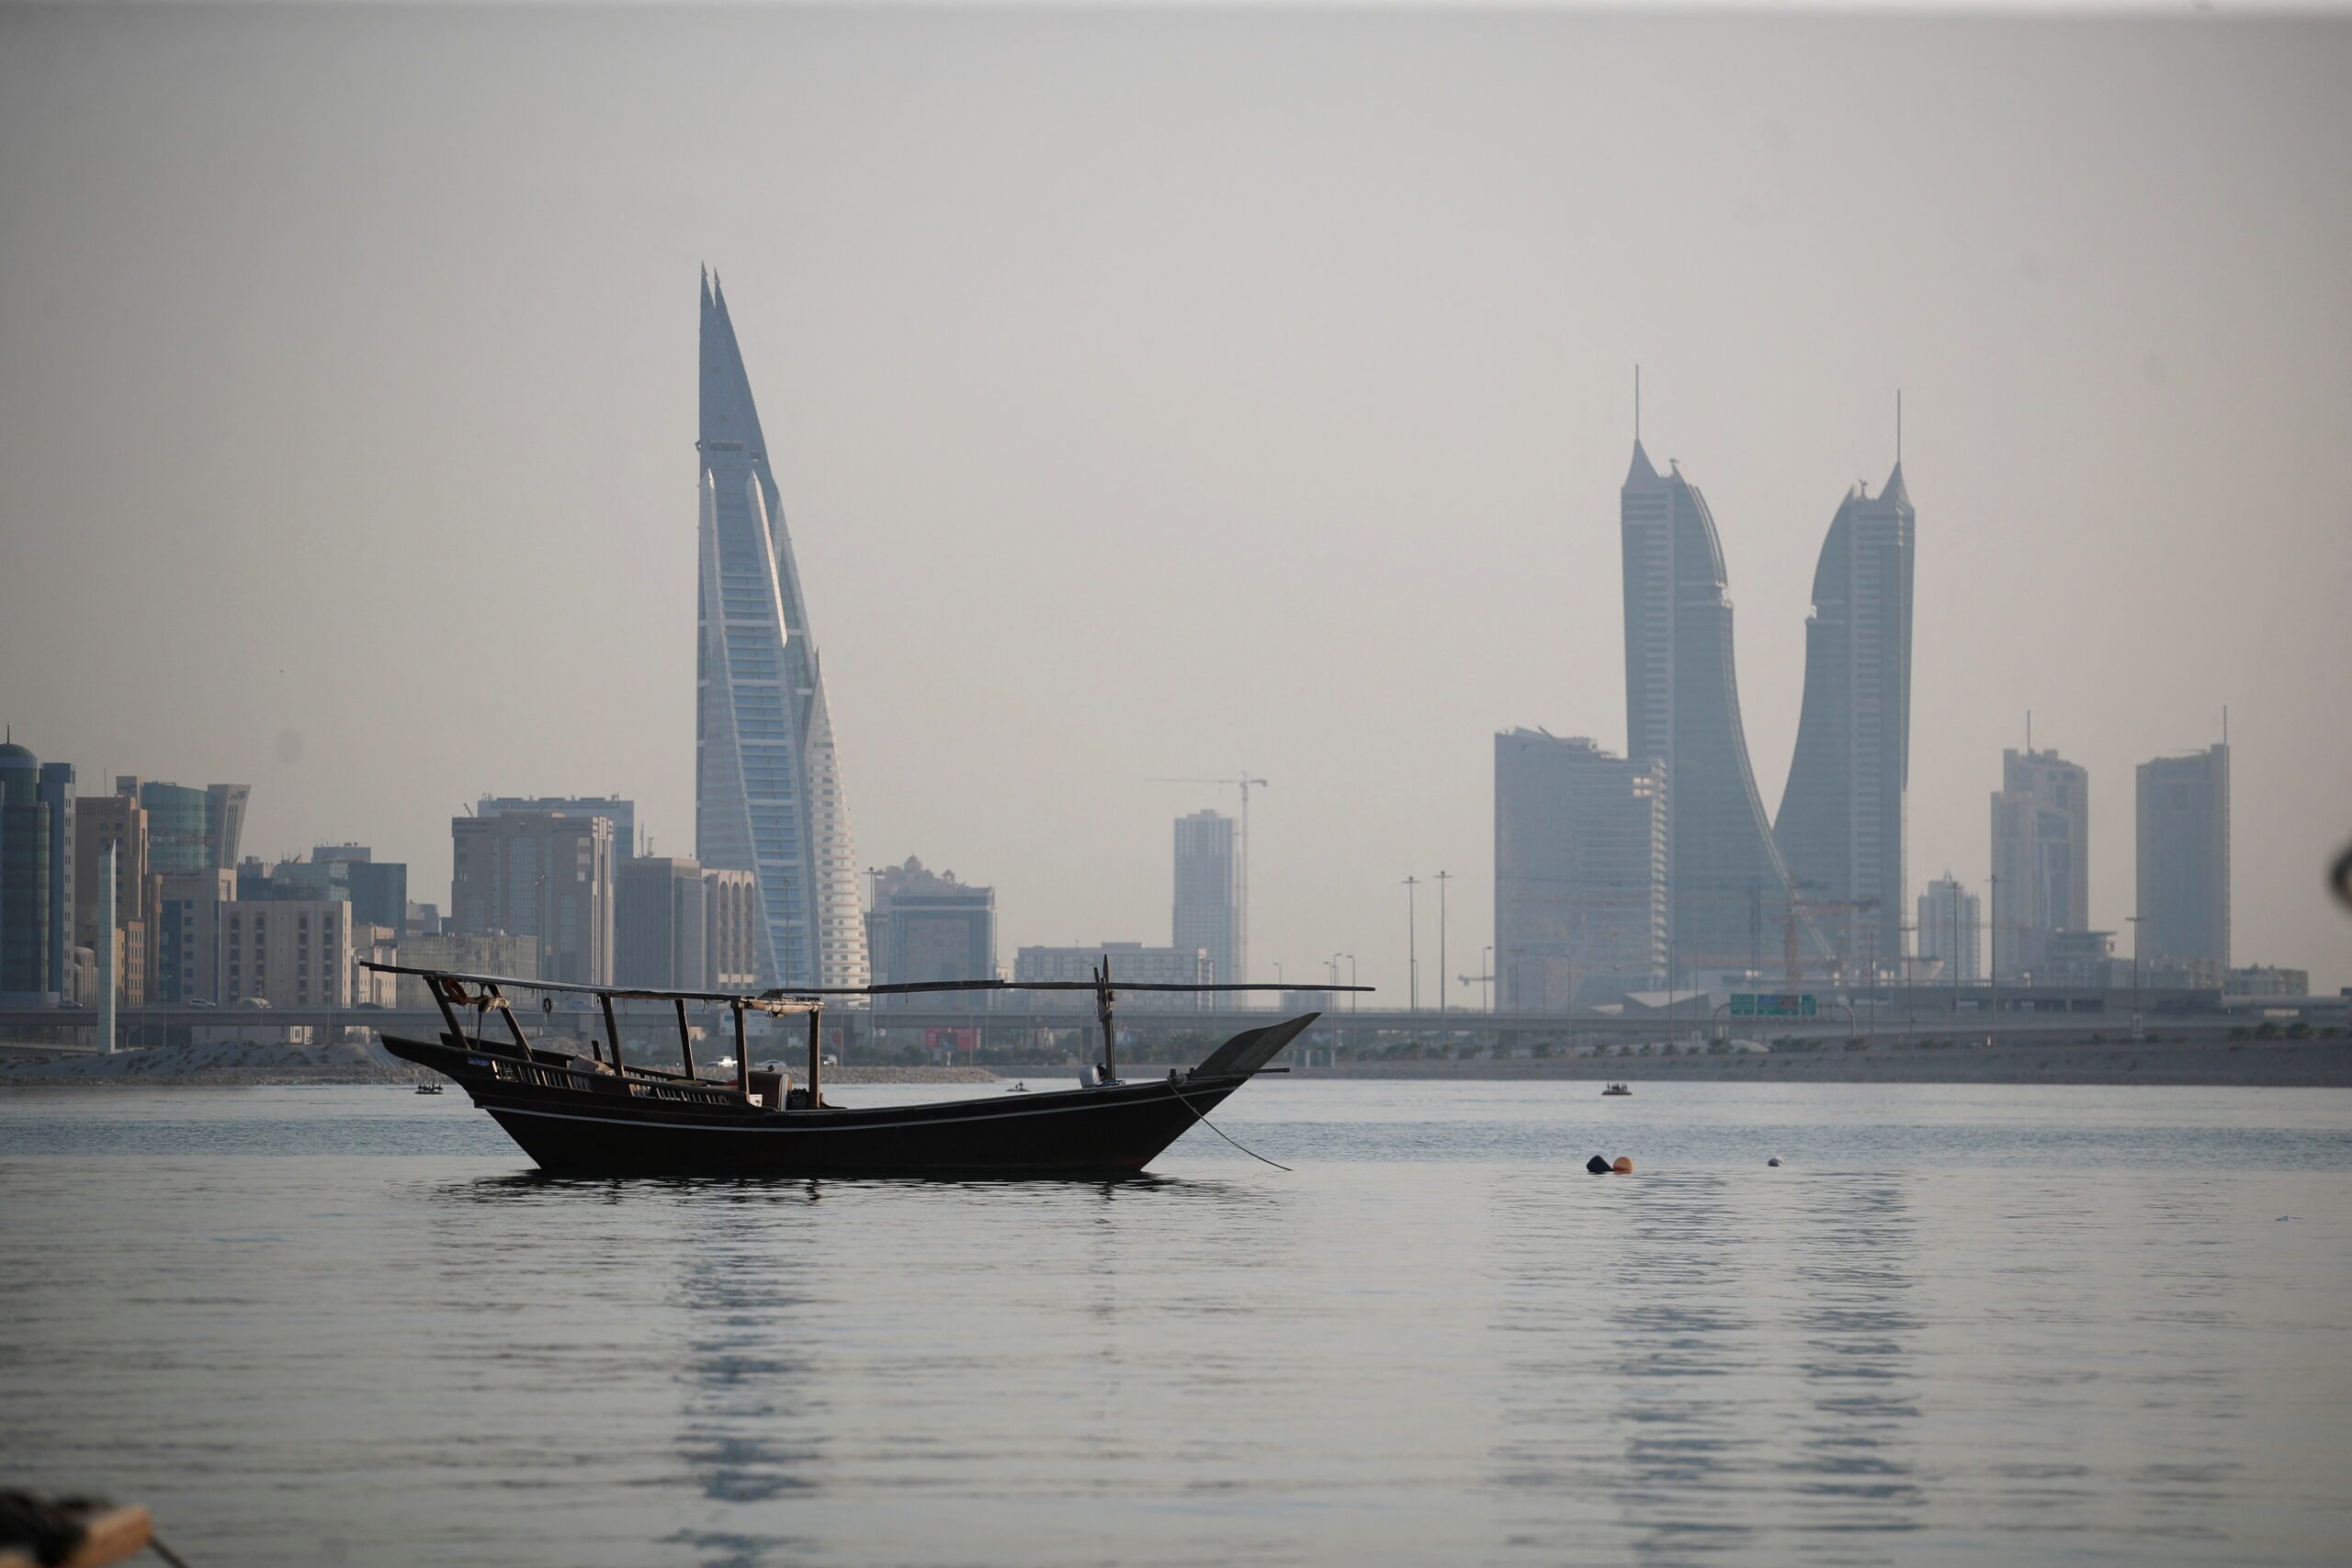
1898	427
1637	405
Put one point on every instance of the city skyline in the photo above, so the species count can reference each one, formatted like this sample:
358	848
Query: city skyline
1387	491
1665	503
1647	498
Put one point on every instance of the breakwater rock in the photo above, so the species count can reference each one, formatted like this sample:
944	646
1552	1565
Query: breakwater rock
212	1063
228	1063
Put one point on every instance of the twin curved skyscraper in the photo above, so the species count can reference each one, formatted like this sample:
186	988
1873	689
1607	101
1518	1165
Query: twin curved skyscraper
1823	882
768	796
1841	824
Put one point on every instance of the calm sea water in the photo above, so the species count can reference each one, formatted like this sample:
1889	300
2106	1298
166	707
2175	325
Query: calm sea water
1976	1325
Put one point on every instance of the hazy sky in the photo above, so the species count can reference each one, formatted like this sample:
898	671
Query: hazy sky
1168	393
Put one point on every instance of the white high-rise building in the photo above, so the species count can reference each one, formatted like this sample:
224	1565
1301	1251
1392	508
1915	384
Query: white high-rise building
1208	914
1950	921
2041	857
2183	827
768	794
1580	854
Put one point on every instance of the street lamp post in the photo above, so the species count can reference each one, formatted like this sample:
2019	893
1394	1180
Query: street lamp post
2138	1029
539	915
1993	959
876	970
1870	1034
1412	945
1346	1035
1673	970
1442	878
1910	1017
1957	942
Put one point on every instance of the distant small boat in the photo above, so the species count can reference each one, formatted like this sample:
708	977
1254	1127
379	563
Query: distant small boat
1018	1087
1615	1089
428	1088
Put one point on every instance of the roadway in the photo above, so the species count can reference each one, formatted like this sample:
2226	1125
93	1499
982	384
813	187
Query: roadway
1925	1012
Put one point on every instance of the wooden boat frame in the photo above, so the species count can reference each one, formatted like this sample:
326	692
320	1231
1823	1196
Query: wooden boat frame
604	1116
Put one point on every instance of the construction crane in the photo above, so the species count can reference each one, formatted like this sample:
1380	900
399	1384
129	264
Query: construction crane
1801	940
1803	907
1243	781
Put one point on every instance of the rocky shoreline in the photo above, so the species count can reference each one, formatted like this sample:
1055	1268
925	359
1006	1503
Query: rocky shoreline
209	1064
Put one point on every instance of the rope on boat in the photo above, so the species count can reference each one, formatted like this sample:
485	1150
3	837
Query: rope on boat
1202	1118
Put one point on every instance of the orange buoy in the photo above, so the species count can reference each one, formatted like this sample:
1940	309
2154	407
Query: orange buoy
1625	1165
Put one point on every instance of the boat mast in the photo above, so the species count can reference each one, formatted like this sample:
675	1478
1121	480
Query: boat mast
1103	1009
742	1054
815	1052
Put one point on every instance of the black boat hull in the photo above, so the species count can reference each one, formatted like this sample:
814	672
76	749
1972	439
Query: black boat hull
575	1120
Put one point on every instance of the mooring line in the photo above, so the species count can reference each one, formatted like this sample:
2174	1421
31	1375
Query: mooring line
1202	1118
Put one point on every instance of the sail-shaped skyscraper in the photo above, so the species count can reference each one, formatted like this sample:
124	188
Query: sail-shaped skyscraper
1841	823
768	796
1729	902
